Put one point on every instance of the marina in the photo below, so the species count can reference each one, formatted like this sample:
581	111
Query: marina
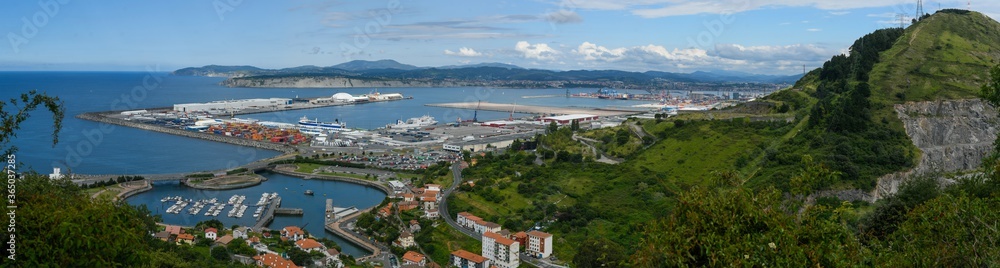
167	193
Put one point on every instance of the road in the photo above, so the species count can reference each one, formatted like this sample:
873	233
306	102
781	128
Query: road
456	170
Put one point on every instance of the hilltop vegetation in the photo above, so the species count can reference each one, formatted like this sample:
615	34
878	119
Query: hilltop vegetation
729	187
944	56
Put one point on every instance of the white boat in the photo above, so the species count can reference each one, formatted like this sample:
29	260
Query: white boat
415	122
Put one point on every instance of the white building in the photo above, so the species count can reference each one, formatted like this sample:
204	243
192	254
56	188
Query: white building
56	174
539	244
232	105
211	233
501	251
241	232
569	118
397	186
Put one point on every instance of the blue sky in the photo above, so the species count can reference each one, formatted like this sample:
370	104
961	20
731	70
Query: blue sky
757	36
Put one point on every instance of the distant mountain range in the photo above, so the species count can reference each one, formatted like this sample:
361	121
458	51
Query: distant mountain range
393	70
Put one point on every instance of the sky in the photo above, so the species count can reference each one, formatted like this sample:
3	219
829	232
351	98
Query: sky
754	36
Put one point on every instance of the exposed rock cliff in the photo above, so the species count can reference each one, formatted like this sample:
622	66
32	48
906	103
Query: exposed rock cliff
954	135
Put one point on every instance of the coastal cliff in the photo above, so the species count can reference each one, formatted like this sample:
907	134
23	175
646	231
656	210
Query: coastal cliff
337	82
953	136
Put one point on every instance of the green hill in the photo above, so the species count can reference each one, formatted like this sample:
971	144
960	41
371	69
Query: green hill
944	56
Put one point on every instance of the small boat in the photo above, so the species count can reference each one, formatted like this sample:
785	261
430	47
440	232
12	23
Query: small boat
309	192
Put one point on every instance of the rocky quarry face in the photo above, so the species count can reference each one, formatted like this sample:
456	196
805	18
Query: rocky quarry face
953	135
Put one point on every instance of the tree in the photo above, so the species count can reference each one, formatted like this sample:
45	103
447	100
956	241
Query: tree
239	246
220	253
299	257
575	125
600	252
553	127
10	120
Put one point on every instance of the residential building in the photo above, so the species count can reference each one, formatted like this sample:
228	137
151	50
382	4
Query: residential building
414	226
432	214
397	187
174	229
309	245
465	259
162	235
539	244
405	240
241	232
521	237
211	233
274	261
433	187
412	257
408	205
224	240
409	197
293	233
185	239
477	224
501	251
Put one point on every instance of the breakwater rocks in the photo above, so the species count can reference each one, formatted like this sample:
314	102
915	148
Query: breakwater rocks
100	117
953	135
338	82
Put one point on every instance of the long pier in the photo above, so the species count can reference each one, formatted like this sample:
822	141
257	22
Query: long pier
532	109
268	214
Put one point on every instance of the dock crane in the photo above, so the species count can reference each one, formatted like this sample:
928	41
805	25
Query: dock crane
475	115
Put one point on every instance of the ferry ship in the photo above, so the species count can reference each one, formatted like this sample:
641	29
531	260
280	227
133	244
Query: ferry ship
305	122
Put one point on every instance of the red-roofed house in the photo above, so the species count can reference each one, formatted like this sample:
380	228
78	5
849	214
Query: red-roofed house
185	238
501	251
408	205
274	261
521	237
293	233
465	259
412	257
211	233
309	245
174	229
409	197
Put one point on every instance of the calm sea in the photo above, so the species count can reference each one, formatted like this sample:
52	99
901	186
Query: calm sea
91	148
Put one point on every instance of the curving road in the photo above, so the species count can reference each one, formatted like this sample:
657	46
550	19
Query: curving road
456	171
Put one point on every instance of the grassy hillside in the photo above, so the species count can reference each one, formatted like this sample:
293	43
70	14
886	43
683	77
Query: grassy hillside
944	56
717	185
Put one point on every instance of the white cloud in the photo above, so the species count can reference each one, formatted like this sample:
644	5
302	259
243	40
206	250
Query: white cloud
563	16
540	51
754	59
666	8
798	52
592	51
839	13
463	52
814	30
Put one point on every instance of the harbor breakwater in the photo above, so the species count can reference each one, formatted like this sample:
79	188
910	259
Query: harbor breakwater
100	117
